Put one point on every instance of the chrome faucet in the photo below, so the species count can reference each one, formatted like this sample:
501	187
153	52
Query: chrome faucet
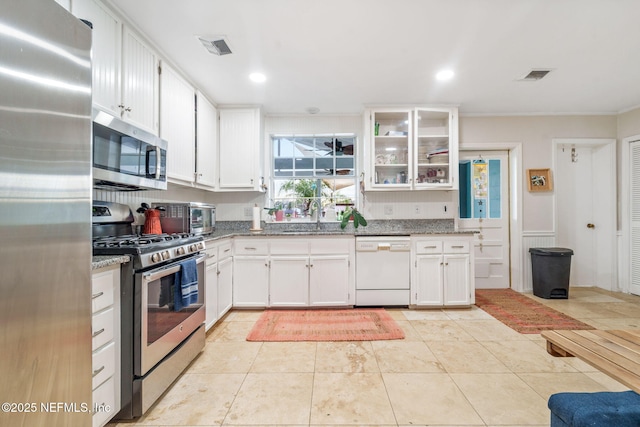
318	211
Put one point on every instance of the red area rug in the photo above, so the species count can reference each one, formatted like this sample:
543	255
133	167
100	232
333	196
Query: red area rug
325	325
523	314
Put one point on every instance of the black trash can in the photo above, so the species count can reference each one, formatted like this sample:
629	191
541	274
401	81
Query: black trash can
551	268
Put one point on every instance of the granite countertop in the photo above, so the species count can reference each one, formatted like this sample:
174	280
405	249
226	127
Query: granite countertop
107	260
374	228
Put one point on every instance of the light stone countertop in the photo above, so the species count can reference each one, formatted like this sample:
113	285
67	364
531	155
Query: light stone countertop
226	229
107	260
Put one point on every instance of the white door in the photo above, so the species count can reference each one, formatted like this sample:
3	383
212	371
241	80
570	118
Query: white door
585	200
484	206
635	217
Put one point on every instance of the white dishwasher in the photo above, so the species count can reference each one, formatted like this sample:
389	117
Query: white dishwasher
383	270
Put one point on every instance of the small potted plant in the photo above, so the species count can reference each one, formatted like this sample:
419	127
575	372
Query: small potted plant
277	211
355	215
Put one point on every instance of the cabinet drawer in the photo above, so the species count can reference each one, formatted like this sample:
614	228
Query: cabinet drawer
289	246
212	255
459	247
251	247
103	397
330	246
102	328
224	250
102	289
429	247
103	362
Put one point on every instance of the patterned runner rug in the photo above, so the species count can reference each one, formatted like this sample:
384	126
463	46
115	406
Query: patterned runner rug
523	314
325	325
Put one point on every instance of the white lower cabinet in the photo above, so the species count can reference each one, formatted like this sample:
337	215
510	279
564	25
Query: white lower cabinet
218	281
442	272
105	325
329	280
225	286
289	281
293	272
250	281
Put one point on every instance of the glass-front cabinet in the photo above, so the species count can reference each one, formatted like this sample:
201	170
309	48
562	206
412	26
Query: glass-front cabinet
391	146
413	149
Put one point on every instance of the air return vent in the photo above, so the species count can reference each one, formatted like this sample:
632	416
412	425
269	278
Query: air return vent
535	75
217	45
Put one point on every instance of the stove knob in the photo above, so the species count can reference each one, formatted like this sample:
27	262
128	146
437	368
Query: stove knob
193	248
180	251
201	245
166	255
156	257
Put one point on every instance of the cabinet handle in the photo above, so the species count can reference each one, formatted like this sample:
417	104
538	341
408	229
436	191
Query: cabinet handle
98	295
430	247
458	247
96	333
249	248
227	250
128	109
97	371
218	272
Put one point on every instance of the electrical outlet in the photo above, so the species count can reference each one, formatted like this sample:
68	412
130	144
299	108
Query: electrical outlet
248	212
417	210
388	209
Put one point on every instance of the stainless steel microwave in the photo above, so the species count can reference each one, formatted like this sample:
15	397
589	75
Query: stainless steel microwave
196	218
126	158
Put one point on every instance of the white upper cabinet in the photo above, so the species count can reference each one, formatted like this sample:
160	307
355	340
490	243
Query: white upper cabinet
177	124
64	3
207	142
105	53
139	82
125	68
412	148
240	149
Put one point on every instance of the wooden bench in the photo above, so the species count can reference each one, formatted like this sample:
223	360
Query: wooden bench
614	352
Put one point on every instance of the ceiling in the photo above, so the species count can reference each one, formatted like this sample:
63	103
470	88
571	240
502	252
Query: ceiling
340	55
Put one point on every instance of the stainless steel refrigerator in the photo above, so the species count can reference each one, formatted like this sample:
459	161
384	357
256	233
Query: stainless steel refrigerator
45	216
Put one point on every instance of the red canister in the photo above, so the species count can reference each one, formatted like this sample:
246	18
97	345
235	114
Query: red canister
152	222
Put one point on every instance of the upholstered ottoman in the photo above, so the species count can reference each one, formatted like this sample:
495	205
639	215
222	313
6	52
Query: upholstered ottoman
603	409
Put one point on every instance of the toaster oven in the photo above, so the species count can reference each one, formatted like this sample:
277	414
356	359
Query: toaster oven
195	218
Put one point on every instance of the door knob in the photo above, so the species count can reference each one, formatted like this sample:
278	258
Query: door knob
591	225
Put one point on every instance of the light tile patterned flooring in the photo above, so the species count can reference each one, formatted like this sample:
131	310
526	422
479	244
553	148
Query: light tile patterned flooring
454	368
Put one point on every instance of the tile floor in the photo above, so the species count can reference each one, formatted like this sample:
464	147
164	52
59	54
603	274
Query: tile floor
454	368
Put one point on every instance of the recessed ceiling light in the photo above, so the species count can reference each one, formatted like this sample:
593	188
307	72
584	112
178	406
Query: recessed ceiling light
257	77
444	75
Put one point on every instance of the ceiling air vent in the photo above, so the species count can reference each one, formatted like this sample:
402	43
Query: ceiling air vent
217	45
535	75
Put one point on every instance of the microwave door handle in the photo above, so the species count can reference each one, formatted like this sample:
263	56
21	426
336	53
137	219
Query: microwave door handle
158	161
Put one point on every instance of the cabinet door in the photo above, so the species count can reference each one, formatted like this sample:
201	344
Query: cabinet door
428	287
225	286
207	143
177	124
139	82
391	149
436	149
211	294
456	280
329	280
250	281
289	281
105	53
239	148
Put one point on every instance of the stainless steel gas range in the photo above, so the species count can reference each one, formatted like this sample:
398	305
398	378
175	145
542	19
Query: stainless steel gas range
162	304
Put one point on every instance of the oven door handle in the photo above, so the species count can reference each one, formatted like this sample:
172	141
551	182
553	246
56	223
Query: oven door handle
165	271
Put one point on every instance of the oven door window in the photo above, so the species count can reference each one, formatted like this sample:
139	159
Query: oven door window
161	314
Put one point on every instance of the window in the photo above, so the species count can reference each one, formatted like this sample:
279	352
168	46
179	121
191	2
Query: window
480	189
313	171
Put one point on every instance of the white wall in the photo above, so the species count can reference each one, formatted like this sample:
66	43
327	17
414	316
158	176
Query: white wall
535	133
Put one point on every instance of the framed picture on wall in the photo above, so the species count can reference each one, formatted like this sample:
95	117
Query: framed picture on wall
539	180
